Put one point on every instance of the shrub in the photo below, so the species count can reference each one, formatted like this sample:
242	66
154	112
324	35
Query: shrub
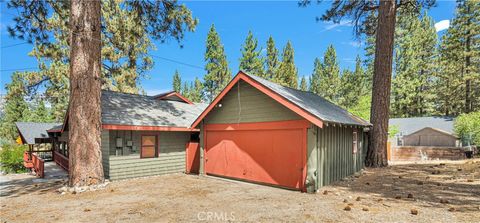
467	127
11	158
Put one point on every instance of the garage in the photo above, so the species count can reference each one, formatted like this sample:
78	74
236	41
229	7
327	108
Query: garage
262	132
270	153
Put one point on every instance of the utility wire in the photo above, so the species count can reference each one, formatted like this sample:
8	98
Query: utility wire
12	45
18	69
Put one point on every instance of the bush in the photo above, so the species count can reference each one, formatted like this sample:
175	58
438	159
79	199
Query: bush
467	127
11	158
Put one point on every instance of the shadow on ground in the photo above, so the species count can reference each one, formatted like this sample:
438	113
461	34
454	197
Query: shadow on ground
432	184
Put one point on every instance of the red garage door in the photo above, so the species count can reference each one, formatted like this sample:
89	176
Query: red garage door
269	152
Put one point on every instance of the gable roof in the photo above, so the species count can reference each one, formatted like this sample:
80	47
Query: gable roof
29	131
172	96
407	126
141	110
306	104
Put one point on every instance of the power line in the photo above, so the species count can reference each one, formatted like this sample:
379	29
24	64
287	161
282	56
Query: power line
26	68
12	45
178	62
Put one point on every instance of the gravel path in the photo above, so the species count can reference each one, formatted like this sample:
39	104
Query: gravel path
438	192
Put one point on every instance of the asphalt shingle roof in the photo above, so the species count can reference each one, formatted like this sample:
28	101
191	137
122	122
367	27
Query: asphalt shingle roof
32	130
407	126
314	104
134	109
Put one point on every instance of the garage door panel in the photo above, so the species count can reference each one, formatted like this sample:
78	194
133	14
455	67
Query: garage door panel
267	156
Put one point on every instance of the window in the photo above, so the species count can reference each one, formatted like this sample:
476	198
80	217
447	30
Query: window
355	142
148	148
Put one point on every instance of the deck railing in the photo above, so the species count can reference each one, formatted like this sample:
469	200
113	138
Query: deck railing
60	160
38	165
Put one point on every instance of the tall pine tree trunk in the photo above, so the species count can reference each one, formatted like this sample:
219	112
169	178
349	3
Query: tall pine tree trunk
85	158
382	77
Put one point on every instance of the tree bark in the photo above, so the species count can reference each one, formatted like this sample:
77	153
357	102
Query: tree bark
382	77
85	157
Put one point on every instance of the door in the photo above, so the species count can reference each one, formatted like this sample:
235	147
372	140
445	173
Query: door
259	153
148	148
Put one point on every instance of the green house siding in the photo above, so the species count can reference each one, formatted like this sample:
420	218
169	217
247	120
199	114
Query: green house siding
334	152
248	104
105	152
171	156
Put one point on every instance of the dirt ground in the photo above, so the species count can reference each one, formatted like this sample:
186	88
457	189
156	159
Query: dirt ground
439	192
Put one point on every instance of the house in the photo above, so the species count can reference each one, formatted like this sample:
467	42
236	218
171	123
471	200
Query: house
141	135
259	131
425	131
254	130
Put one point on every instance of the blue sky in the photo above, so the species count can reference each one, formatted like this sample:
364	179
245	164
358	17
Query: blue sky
283	20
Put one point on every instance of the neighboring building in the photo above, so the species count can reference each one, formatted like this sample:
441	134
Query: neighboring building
425	131
259	131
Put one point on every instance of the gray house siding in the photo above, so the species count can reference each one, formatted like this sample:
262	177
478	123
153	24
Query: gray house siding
248	105
171	154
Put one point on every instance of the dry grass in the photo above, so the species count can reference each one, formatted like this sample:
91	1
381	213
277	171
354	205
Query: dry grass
438	192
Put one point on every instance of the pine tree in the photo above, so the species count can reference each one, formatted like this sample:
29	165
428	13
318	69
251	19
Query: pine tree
196	91
303	84
16	108
415	55
177	82
41	113
186	90
328	78
218	74
458	80
251	60
287	72
272	61
316	77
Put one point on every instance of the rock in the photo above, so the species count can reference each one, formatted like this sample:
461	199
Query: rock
444	201
426	178
347	208
358	199
379	199
420	182
367	183
459	169
350	204
325	192
86	210
470	180
452	209
398	197
345	201
112	190
442	164
410	196
414	211
364	209
436	172
74	192
63	193
400	177
439	184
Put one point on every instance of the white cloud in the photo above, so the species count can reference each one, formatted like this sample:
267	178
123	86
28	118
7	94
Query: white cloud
353	43
331	25
442	25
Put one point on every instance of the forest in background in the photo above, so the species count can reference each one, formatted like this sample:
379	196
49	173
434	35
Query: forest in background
431	76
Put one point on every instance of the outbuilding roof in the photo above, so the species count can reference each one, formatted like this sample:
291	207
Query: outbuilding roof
29	131
141	110
407	126
308	105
